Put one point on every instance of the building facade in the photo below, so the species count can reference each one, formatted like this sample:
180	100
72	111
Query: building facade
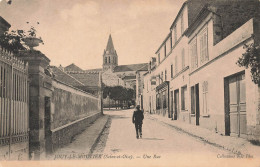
197	80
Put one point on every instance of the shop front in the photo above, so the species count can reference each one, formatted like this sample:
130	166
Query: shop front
162	99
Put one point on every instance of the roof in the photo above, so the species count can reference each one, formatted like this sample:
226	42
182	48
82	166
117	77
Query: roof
203	13
72	67
3	21
183	5
88	79
130	67
128	77
94	70
144	68
233	14
110	46
64	77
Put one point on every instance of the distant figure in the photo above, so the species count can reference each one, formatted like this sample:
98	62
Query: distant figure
137	119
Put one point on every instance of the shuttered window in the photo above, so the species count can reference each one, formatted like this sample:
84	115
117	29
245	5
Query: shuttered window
204	46
193	54
205	97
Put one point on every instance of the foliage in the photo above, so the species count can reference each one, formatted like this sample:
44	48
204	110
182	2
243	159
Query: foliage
251	59
14	40
118	93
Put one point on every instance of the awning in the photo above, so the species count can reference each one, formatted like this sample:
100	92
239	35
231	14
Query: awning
162	85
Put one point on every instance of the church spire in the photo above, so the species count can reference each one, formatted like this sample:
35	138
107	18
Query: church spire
110	46
110	59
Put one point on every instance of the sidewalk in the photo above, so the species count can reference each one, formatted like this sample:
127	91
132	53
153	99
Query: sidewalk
84	143
234	144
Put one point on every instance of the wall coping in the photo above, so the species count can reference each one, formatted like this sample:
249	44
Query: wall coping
71	123
72	87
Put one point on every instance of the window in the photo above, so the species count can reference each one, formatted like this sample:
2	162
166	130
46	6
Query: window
176	64
192	93
183	58
164	100
105	60
175	34
182	24
159	60
164	50
172	71
173	38
204	46
184	98
168	45
162	76
205	97
193	54
165	73
109	59
157	101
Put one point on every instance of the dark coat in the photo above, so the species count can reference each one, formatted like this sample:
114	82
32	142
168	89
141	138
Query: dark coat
138	117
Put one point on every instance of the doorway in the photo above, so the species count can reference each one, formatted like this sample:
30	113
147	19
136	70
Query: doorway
235	109
176	104
171	109
197	104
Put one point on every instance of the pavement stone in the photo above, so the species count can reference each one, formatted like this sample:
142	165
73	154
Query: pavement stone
234	144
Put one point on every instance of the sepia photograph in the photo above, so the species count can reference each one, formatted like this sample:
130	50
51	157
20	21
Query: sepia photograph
130	83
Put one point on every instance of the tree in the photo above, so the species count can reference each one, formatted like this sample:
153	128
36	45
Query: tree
15	39
119	93
251	59
12	41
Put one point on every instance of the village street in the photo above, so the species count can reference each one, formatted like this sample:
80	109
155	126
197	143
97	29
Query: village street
159	141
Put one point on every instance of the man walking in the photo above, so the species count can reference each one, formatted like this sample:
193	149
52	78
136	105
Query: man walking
137	119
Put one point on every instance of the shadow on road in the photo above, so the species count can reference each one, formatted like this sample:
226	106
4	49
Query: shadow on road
151	139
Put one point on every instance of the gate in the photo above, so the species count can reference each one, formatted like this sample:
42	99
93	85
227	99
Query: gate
14	113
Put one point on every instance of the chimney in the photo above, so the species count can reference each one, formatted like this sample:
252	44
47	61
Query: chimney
4	25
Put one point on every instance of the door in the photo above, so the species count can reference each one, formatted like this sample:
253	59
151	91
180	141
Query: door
237	105
176	105
197	104
47	128
171	105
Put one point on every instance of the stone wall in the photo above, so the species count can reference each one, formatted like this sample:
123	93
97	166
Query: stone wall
70	104
72	110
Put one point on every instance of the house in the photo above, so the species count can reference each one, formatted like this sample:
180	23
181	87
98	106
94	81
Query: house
196	79
140	84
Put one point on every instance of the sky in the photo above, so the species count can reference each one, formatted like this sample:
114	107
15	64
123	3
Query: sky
77	31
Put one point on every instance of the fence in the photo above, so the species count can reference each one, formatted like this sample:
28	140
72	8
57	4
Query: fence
14	112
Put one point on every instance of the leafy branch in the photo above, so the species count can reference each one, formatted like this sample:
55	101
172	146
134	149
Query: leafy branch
251	59
14	40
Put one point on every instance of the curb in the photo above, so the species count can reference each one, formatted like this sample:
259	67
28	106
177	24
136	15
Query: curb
99	135
233	150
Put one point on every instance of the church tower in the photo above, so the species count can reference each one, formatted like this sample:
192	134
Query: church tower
110	59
